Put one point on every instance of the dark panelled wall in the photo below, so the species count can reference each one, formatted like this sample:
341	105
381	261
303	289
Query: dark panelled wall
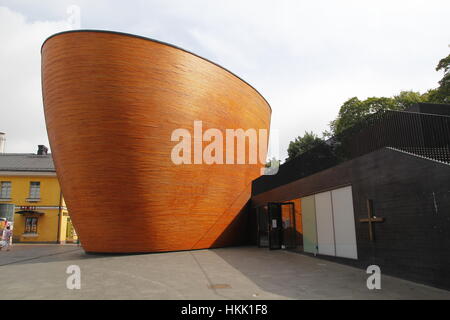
432	108
411	193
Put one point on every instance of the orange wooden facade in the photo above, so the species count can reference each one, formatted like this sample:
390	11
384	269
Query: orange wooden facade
111	103
298	219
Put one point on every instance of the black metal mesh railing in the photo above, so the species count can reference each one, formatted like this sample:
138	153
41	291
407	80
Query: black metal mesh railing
425	135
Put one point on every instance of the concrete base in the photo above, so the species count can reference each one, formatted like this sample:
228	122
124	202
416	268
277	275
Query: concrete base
39	272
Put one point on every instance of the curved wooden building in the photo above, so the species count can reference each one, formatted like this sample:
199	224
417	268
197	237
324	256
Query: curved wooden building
111	103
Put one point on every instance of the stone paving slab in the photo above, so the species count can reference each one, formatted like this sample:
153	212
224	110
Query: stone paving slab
39	272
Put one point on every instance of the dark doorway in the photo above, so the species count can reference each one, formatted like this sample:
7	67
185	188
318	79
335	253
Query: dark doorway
276	226
262	220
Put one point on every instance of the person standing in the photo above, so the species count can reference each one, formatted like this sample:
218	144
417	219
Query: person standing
6	238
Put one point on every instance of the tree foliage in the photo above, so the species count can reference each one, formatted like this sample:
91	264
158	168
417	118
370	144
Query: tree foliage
406	99
272	162
442	93
302	144
355	111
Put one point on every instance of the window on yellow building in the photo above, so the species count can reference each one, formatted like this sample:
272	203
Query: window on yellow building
35	190
5	190
31	225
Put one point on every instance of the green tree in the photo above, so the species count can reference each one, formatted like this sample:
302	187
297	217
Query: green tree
354	110
406	99
349	113
430	96
272	162
442	93
302	144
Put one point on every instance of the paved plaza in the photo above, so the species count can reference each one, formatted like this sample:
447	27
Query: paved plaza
39	272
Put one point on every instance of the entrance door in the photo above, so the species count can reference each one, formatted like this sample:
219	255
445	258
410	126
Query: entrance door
275	226
262	219
281	225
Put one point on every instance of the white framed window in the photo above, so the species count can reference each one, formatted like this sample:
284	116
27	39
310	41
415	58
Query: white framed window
35	190
5	190
31	224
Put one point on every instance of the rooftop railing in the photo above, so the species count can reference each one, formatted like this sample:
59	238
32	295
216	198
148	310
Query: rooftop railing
421	134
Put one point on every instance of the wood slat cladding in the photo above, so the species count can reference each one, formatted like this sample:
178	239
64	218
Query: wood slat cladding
111	103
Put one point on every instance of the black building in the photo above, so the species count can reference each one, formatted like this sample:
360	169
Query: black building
378	194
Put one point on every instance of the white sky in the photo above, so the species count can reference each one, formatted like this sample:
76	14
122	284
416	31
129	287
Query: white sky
305	57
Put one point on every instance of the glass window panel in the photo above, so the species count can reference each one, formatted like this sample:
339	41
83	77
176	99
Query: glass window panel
5	191
31	225
35	190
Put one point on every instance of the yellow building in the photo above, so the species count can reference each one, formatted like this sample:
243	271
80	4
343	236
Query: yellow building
30	195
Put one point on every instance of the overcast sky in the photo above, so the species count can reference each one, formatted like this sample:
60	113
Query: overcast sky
305	57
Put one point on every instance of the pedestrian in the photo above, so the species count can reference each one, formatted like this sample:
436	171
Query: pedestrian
6	238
